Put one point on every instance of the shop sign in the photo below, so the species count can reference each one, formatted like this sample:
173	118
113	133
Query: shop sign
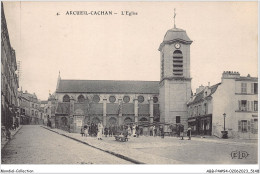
191	120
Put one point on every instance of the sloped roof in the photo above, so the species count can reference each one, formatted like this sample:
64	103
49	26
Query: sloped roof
242	78
108	86
175	34
200	96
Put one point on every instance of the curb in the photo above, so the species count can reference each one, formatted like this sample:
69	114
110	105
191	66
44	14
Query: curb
107	151
12	137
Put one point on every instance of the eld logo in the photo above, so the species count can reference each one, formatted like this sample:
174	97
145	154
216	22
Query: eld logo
239	154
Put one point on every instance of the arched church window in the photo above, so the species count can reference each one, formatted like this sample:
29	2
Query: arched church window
177	63
66	98
126	99
96	98
140	99
112	99
81	99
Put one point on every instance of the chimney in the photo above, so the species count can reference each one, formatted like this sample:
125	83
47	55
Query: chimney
230	75
208	84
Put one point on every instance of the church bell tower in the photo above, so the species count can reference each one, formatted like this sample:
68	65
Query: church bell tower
175	81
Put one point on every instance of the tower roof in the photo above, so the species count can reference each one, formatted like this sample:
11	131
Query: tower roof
175	34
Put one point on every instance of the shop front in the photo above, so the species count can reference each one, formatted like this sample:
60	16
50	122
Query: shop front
201	125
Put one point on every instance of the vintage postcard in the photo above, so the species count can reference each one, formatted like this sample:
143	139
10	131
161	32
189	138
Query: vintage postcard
87	84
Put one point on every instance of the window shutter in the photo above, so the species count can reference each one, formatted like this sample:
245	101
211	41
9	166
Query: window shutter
252	105
248	106
239	105
248	126
252	88
252	126
239	126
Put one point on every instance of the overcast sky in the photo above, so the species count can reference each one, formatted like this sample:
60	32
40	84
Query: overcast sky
117	47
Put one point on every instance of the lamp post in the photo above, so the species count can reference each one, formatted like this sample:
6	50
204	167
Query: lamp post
224	133
224	121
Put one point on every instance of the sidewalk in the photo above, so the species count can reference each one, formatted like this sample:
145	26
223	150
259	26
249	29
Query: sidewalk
121	149
13	132
224	141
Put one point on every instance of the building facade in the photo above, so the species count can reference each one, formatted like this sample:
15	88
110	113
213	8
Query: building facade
9	78
200	109
24	109
31	110
231	105
113	103
237	97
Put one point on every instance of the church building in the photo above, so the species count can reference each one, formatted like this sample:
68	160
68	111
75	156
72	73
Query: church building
112	102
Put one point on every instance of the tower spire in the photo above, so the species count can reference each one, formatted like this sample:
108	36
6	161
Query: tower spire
174	17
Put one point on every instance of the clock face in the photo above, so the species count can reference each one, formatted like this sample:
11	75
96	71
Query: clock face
177	45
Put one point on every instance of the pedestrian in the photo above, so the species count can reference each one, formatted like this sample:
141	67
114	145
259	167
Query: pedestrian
95	130
134	130
181	127
189	133
110	131
92	129
86	131
151	131
162	132
154	130
129	131
137	131
106	131
7	133
82	131
100	129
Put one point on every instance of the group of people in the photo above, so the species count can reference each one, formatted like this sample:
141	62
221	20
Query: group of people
98	130
94	130
5	130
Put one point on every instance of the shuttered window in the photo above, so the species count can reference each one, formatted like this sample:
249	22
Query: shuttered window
243	126
252	125
248	126
255	105
239	105
248	106
239	126
243	87
252	106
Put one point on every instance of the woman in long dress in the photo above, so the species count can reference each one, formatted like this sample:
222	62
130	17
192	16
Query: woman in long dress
134	130
100	129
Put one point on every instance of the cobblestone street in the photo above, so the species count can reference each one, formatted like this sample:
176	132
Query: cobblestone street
36	145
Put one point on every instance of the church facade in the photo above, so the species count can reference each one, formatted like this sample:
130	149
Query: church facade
115	103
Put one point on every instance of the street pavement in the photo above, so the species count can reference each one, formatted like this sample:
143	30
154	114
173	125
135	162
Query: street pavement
148	150
35	145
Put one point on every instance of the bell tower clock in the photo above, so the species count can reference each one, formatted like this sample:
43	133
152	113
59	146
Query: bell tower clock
175	81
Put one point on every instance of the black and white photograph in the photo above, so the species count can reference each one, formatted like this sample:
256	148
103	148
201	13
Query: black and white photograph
154	87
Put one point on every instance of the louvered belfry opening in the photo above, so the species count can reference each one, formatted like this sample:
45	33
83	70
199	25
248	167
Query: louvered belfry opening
177	63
